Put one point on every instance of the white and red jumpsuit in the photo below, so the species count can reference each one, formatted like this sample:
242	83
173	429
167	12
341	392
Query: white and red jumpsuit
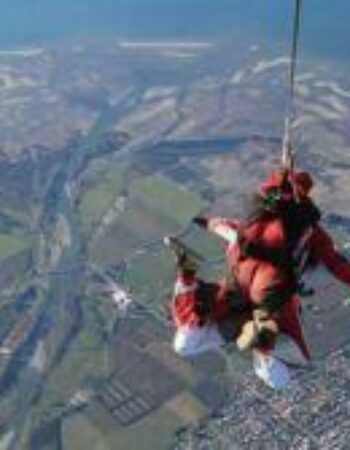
195	332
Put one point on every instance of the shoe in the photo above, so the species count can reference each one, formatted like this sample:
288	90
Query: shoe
271	371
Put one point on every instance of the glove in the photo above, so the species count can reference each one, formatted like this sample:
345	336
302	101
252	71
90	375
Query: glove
200	221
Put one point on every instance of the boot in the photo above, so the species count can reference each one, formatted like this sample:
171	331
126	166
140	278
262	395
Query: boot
271	371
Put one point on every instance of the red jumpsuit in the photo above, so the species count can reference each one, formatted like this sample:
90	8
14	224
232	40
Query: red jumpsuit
184	305
255	277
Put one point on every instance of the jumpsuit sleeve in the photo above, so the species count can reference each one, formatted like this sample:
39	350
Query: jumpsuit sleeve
325	252
183	305
185	282
227	229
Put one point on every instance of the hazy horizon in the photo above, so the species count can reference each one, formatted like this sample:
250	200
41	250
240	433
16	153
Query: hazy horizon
324	30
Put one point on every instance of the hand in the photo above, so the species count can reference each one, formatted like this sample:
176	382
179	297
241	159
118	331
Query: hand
262	330
248	336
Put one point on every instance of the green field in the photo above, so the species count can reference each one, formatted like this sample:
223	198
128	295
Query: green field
94	203
168	198
11	244
84	359
155	432
80	434
135	227
99	197
150	277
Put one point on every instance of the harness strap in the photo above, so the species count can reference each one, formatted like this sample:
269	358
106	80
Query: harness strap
300	254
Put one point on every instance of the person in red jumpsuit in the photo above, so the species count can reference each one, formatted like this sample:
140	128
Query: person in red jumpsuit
200	307
269	251
267	254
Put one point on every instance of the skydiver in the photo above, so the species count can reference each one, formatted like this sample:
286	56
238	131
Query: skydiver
267	253
202	310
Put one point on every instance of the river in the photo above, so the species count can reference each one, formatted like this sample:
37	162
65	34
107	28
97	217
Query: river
61	288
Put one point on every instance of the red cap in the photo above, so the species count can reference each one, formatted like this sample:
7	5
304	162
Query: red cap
283	179
274	180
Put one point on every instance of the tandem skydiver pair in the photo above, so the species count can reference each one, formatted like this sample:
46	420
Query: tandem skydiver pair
259	298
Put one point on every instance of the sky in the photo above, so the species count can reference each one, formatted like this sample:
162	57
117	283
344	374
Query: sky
325	24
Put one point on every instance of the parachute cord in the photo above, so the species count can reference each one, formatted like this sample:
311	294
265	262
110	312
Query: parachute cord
287	148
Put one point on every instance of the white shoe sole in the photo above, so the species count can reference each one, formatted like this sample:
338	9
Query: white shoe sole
271	371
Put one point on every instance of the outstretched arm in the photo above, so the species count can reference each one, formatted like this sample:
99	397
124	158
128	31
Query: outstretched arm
224	228
325	251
